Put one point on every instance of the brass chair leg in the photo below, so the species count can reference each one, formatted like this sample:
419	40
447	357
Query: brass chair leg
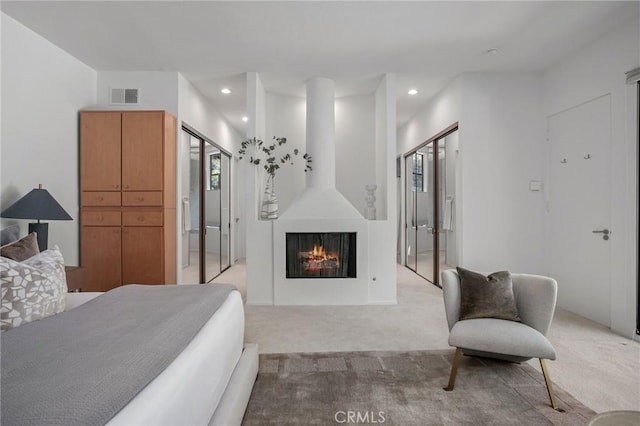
547	380
454	369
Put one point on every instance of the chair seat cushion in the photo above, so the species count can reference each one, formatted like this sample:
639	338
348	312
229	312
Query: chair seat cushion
501	337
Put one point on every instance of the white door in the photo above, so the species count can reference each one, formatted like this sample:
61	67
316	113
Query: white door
580	206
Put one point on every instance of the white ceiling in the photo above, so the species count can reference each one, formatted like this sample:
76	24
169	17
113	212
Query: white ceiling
214	43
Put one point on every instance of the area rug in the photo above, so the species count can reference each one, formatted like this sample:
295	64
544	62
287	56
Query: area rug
403	388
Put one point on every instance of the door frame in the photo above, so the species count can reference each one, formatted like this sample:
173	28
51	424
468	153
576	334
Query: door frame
201	224
435	175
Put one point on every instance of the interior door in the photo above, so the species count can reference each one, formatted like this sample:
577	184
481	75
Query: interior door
579	208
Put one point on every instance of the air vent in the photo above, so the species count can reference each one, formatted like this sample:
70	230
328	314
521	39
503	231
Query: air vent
124	97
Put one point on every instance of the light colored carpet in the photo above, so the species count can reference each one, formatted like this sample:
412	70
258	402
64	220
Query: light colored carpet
403	388
418	322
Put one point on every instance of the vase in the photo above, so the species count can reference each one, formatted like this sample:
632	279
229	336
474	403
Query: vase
269	208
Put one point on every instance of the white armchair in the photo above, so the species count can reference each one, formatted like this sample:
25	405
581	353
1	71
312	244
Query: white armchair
535	298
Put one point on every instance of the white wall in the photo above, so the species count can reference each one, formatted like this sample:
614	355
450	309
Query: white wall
158	90
286	117
596	70
383	232
43	88
356	148
259	242
501	135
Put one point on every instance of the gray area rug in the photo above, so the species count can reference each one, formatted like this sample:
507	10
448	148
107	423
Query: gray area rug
403	388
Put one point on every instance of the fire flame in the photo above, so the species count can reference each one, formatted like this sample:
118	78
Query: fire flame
318	251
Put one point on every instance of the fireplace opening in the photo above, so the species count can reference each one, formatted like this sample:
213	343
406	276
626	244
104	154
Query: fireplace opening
321	255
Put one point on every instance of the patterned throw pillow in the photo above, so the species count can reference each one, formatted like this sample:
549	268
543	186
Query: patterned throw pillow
33	289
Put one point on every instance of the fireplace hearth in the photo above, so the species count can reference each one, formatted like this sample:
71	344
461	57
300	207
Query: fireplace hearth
321	255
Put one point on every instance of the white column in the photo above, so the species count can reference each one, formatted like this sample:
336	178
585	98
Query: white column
321	144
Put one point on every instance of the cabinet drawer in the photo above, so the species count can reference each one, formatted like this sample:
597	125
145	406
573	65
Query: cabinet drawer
142	218
101	219
142	198
100	199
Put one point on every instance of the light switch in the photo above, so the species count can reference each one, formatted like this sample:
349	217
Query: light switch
535	185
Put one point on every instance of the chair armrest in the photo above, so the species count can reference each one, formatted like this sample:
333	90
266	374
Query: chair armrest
76	299
536	297
451	295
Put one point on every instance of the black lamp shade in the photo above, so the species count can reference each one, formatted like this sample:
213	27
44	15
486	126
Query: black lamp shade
37	204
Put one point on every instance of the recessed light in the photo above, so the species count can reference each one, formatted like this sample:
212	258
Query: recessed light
245	118
412	92
225	91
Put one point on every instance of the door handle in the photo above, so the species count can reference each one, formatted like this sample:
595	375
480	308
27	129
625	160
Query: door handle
605	233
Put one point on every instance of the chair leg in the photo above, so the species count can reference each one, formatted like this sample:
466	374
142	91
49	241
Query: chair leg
547	380
454	369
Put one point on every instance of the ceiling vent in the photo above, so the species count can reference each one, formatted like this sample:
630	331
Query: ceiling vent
124	96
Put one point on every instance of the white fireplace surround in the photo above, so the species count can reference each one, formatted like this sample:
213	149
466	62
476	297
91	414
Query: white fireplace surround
321	208
321	291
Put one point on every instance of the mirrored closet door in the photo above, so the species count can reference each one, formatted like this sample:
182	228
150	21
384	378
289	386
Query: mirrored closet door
430	217
205	208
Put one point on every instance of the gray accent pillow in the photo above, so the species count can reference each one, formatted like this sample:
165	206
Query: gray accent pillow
10	234
22	249
33	289
487	297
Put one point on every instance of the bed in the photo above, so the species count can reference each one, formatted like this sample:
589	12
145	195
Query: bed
206	379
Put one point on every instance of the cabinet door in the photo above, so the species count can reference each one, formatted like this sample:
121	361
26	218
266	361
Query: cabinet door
142	150
142	255
101	257
100	150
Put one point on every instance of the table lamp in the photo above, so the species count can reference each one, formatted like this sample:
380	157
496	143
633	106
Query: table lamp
37	204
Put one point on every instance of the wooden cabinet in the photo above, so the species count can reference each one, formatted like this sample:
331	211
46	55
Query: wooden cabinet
101	257
128	198
100	151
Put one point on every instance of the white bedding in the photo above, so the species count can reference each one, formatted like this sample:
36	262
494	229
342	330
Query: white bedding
188	391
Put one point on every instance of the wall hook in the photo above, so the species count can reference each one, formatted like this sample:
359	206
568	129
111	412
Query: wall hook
588	157
563	161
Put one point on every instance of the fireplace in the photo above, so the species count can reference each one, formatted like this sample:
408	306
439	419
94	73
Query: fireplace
321	255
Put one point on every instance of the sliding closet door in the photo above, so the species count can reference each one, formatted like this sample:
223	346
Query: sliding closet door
425	212
206	208
217	207
411	226
225	212
191	184
430	215
447	231
212	212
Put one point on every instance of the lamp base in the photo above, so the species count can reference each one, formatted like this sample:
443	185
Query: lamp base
42	229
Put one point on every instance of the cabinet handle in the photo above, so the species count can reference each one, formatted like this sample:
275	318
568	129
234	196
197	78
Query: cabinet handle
139	198
100	198
116	186
116	231
140	218
100	218
126	187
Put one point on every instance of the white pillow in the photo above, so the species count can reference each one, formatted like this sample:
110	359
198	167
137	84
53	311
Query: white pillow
32	289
